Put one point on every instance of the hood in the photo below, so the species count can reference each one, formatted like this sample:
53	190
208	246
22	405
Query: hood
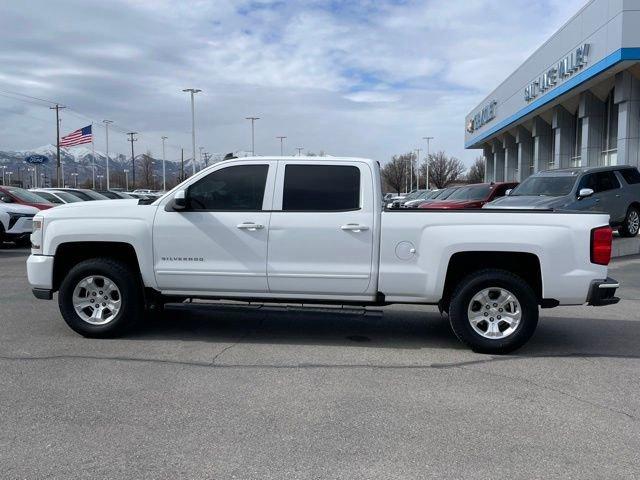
453	204
17	208
534	202
40	206
93	209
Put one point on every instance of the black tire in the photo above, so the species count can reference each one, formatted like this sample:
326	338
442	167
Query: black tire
493	278
131	297
630	226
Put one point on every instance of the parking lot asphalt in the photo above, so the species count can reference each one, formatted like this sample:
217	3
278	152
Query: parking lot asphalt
221	391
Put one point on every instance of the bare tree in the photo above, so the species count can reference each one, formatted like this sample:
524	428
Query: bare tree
443	170
476	172
146	167
394	173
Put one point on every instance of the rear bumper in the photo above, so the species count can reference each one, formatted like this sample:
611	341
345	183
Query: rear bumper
602	292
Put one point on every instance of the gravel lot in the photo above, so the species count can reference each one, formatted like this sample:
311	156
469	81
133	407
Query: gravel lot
223	392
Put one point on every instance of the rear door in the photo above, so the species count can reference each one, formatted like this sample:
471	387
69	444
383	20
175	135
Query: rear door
321	231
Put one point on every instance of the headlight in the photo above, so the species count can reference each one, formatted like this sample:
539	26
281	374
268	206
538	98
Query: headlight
36	235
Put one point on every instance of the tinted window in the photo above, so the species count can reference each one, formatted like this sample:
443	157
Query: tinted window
630	175
474	192
239	187
25	195
321	187
49	197
546	186
606	181
445	193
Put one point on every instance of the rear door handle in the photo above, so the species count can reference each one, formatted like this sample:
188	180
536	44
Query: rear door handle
252	227
354	227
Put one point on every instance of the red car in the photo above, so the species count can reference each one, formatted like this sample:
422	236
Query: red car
23	197
472	196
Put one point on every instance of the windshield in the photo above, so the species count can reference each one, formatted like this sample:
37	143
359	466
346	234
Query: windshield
26	196
68	198
545	186
473	192
445	193
413	195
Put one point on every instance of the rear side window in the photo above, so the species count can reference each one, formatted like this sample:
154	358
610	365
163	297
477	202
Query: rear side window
630	175
235	188
321	188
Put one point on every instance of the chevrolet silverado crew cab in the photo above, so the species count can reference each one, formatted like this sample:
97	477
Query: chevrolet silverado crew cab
313	230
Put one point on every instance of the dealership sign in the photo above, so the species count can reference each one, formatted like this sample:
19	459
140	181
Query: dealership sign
36	159
558	72
482	117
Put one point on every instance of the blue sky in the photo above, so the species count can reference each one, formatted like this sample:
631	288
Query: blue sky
367	78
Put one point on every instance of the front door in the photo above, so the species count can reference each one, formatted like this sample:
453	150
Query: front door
219	242
321	235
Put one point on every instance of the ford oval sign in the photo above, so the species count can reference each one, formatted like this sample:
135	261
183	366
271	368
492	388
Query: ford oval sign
36	159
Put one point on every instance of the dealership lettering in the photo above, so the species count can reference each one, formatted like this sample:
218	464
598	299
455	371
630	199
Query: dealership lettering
482	117
558	72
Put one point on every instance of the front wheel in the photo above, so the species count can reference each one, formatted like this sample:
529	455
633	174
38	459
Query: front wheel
631	224
493	311
100	298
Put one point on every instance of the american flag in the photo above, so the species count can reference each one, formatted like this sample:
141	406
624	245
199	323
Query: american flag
80	136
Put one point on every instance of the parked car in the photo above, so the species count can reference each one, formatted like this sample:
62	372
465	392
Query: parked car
23	197
82	193
442	194
16	223
211	236
115	195
472	196
397	202
614	190
57	198
425	195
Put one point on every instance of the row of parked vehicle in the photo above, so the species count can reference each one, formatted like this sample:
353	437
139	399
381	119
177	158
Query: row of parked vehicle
18	206
614	190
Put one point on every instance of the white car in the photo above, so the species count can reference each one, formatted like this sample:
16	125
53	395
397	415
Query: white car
292	229
57	197
16	223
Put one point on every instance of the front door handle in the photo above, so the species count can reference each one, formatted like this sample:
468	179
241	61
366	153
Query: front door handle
354	227
252	227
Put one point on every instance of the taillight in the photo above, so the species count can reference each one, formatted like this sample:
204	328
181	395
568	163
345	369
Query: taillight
601	239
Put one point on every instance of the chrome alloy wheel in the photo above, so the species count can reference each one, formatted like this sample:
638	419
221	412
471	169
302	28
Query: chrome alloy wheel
494	313
633	222
97	300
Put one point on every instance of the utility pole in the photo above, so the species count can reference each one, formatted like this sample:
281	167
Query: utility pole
193	91
106	126
299	150
281	146
428	139
418	150
164	172
182	164
207	157
57	108
126	180
93	159
133	159
201	149
4	167
253	144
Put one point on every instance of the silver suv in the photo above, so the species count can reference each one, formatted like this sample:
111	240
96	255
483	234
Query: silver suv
612	190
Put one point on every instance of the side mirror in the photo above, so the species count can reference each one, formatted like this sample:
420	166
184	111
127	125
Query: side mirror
508	192
179	200
585	192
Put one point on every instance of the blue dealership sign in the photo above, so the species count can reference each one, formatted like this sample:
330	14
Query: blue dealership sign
36	159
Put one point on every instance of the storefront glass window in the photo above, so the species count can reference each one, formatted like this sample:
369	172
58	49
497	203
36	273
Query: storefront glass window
610	133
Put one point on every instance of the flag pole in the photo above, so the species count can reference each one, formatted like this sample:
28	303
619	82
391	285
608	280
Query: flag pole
93	159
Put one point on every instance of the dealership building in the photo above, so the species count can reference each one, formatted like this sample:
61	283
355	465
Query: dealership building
574	102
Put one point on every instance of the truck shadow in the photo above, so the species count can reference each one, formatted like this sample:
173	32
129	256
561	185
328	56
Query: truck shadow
388	328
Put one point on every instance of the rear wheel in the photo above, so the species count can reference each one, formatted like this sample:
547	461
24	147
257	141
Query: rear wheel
100	298
493	311
631	224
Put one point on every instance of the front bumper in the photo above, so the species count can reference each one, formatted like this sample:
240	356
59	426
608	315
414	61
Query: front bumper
40	272
602	292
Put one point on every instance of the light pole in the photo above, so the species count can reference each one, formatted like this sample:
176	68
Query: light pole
100	177
428	139
164	175
106	126
253	144
132	139
193	91
9	175
126	180
201	149
62	171
418	150
299	150
75	176
281	146
4	167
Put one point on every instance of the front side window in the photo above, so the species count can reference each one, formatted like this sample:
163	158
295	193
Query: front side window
234	188
606	181
321	188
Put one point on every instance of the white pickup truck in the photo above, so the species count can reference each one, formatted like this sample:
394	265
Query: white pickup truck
313	230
